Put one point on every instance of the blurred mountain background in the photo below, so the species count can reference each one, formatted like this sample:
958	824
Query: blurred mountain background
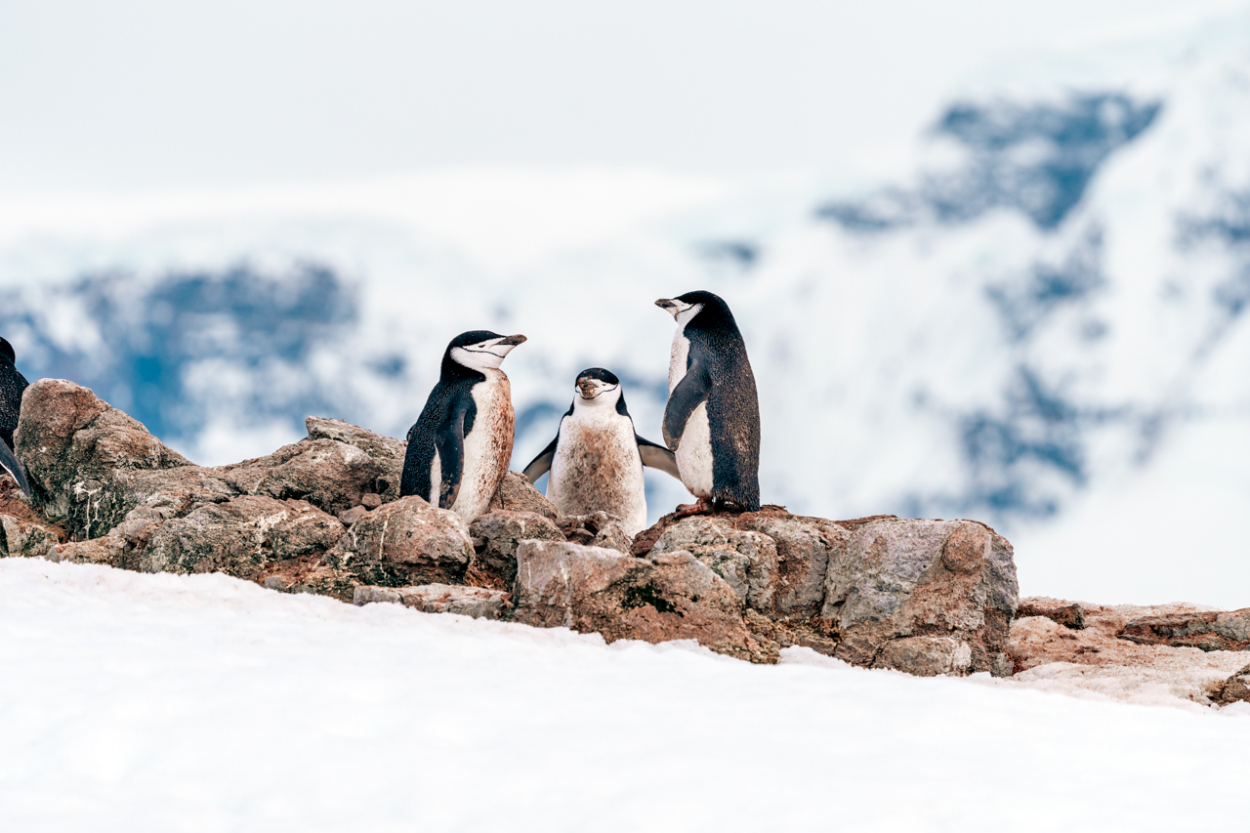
1013	288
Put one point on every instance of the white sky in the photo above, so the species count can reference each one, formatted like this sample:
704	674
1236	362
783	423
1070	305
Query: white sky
154	94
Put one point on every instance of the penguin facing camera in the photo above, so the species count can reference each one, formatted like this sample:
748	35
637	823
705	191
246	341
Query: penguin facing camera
12	385
712	420
460	447
596	459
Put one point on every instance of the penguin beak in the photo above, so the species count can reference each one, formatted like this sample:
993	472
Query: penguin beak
513	341
587	387
667	305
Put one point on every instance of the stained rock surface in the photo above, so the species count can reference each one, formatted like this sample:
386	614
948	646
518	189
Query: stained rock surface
478	602
1208	630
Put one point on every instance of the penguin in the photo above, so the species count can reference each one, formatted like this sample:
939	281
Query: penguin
596	458
712	420
12	385
460	446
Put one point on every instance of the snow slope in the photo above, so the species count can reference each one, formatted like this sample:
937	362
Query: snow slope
202	703
1038	321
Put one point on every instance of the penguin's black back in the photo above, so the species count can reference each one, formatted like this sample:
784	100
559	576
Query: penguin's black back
733	407
12	385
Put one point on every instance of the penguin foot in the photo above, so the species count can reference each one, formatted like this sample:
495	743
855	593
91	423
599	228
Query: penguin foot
685	510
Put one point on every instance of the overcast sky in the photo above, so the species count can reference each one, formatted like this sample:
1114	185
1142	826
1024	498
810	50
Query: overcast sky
133	95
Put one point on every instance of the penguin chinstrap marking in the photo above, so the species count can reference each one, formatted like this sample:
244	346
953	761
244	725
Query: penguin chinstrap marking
596	460
12	385
712	420
460	447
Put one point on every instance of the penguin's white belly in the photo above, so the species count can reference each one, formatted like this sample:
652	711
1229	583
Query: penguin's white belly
597	468
678	356
694	453
488	446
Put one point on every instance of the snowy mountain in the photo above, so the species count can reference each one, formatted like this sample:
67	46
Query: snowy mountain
1038	321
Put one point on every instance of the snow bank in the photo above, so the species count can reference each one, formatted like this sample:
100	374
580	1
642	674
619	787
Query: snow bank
158	702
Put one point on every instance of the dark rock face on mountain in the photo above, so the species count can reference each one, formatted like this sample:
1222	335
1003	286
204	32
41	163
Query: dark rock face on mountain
323	516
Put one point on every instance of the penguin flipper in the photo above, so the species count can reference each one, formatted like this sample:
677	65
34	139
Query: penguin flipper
450	445
10	463
690	392
657	457
541	464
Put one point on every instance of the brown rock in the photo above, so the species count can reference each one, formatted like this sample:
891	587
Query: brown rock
803	549
1236	689
109	550
517	494
331	475
24	539
1210	630
1047	653
371	501
672	596
478	602
1070	616
407	541
239	537
746	560
894	580
501	532
386	451
352	515
73	445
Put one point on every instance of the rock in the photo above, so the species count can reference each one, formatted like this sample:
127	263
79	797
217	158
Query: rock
1236	689
927	656
478	602
24	539
746	560
275	583
803	548
406	541
386	451
331	475
1210	631
74	446
597	590
501	531
1070	616
897	579
517	494
371	501
239	537
352	515
109	550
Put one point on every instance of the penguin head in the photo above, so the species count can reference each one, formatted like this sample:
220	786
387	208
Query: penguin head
6	350
598	388
685	307
480	349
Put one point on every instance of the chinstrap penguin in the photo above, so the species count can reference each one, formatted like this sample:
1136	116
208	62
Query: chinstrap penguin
596	459
12	385
460	447
712	420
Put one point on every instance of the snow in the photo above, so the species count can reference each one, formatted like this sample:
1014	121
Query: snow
203	703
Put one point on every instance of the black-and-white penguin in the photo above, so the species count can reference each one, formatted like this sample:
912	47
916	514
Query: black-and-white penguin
12	385
712	420
460	447
596	458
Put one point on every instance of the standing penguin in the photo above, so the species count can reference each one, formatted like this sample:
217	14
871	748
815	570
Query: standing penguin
712	420
459	448
596	458
12	385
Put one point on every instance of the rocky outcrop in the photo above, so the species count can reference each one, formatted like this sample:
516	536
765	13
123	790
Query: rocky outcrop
1069	615
1048	654
323	515
496	536
1236	689
598	590
478	602
407	541
1209	630
944	591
